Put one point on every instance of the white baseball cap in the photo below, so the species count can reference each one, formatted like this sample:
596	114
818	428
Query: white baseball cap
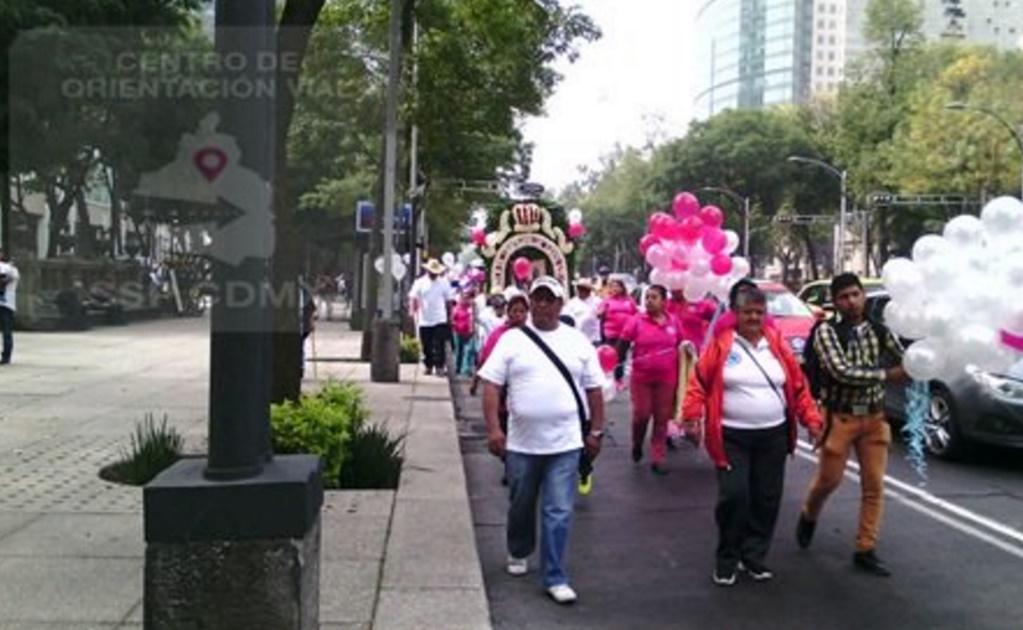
550	283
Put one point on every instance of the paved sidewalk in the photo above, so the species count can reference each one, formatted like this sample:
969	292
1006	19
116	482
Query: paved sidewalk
71	544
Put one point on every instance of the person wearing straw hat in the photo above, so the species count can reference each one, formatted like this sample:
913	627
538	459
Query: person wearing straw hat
430	299
583	309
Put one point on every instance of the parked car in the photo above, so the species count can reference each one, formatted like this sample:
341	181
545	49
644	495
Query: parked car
975	407
818	293
792	316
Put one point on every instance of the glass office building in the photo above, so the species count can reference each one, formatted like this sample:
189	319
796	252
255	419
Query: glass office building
753	53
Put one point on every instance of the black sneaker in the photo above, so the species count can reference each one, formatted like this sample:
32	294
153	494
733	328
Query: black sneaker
658	469
869	562
637	453
429	371
724	574
804	531
756	570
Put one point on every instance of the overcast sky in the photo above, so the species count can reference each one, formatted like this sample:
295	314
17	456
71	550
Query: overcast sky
636	81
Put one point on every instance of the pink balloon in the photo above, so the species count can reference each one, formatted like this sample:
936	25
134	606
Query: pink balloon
685	205
721	264
522	268
660	225
712	215
478	236
659	257
713	240
646	242
690	228
608	357
575	230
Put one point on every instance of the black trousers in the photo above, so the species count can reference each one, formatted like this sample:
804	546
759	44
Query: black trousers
749	494
434	340
7	329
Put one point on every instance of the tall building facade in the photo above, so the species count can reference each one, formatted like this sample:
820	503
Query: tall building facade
754	53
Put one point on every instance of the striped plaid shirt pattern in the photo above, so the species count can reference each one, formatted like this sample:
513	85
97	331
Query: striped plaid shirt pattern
857	372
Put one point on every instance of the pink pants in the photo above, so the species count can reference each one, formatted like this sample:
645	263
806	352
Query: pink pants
657	400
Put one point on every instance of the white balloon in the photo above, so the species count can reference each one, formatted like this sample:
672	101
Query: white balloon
731	241
699	267
740	267
923	361
902	278
974	344
964	231
575	215
448	259
658	276
1002	217
929	247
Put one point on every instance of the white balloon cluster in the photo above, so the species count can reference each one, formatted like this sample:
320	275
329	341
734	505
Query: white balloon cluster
960	293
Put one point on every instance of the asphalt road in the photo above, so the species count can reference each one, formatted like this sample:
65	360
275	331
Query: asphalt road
641	552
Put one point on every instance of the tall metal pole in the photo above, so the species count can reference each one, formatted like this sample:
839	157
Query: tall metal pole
841	224
745	228
386	292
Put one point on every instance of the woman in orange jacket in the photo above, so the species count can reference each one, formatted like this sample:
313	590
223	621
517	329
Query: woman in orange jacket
749	390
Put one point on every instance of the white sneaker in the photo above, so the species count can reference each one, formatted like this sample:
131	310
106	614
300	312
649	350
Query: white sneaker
562	593
518	566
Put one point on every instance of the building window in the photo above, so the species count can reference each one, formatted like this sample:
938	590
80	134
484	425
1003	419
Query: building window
831	39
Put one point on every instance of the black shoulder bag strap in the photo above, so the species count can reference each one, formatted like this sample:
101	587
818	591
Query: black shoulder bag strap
583	422
764	372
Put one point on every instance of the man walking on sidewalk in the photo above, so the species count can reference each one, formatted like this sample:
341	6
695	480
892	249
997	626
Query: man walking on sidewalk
8	304
545	431
431	297
853	353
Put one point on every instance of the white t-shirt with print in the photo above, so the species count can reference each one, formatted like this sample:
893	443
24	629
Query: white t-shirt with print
433	297
9	295
543	415
749	400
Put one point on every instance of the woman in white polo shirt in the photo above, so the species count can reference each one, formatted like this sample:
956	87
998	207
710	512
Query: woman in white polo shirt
750	391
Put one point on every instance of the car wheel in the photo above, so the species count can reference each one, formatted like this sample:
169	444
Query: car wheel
943	437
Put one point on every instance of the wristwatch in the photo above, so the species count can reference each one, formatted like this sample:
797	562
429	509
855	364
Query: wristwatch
597	434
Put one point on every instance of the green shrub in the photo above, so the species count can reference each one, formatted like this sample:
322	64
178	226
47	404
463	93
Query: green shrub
410	349
374	459
320	424
153	448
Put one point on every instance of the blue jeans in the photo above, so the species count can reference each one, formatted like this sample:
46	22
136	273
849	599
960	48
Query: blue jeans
557	477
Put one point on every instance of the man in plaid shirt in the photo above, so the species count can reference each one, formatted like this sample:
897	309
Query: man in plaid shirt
854	354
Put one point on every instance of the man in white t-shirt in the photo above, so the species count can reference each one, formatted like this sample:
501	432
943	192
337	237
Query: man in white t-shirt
8	304
545	435
583	309
430	299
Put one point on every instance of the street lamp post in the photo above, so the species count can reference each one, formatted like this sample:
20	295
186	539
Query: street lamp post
842	176
1016	132
743	205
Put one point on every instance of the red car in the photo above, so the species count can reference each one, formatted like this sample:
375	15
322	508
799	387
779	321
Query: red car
791	315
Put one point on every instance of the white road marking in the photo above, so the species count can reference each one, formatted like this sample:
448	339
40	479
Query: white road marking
921	497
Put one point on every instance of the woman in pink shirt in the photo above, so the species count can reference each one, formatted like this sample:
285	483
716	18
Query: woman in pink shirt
693	317
655	336
614	314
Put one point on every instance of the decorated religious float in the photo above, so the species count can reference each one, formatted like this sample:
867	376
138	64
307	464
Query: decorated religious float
522	240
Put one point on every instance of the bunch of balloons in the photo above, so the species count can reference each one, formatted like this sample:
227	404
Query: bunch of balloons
959	294
690	252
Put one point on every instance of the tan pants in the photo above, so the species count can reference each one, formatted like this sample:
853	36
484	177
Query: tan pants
871	437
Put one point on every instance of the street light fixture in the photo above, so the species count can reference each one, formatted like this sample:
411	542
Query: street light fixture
743	205
842	176
1017	133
